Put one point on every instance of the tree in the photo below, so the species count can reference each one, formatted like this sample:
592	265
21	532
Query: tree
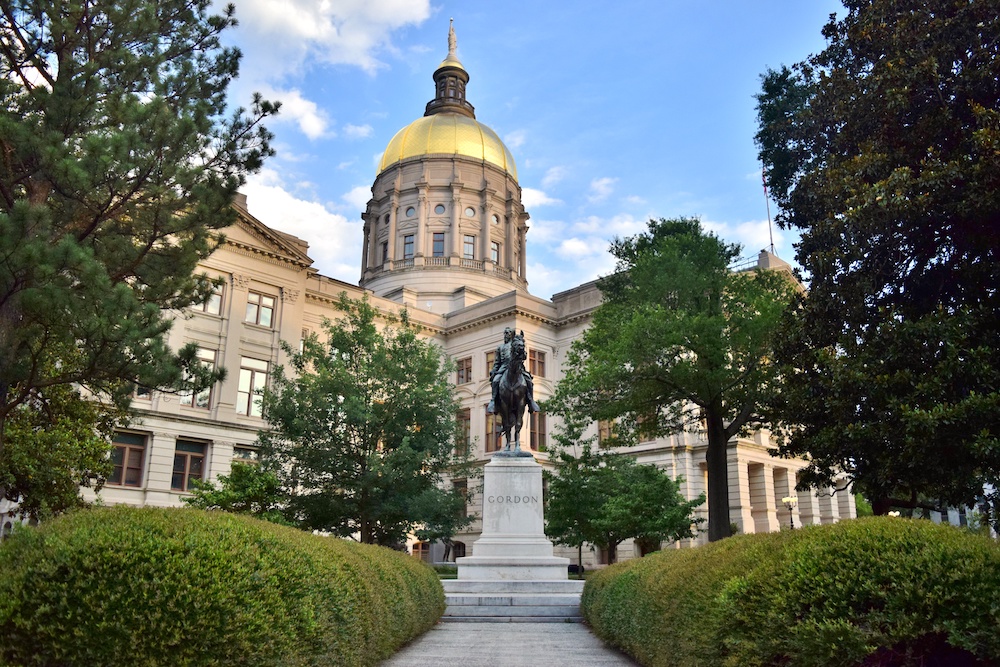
364	431
117	169
679	341
247	489
605	498
884	151
54	446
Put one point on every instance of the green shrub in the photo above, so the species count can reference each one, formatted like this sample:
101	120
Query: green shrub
150	586
820	596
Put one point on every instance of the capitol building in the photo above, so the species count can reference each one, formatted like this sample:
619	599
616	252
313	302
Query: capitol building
445	236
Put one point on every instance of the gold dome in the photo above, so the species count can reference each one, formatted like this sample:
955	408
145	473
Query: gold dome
448	134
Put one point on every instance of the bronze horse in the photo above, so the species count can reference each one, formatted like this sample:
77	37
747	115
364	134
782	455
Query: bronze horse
513	397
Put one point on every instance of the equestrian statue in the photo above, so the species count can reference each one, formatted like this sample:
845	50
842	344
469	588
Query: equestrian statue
513	390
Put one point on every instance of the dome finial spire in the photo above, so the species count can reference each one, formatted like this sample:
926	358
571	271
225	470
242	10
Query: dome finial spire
452	42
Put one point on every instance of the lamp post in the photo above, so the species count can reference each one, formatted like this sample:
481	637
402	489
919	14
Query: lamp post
790	502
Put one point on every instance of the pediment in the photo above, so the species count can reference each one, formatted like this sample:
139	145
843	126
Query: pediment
251	234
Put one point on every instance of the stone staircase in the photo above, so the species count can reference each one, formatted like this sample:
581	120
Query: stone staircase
512	601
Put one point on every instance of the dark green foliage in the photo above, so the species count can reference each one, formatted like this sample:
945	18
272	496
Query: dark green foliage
822	596
364	431
53	446
247	489
884	151
152	587
678	339
606	498
118	165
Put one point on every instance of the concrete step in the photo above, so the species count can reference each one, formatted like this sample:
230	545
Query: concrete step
563	618
517	601
512	586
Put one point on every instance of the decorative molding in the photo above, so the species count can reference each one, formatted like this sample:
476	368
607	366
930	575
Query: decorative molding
241	282
290	294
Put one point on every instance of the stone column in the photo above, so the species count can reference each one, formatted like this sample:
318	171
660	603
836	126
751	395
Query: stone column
845	501
808	507
393	205
762	498
784	487
740	509
456	225
422	236
828	510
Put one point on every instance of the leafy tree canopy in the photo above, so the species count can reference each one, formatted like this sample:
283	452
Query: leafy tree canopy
55	445
247	489
884	151
118	165
364	430
679	341
605	498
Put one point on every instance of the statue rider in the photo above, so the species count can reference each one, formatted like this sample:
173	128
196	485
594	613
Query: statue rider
501	360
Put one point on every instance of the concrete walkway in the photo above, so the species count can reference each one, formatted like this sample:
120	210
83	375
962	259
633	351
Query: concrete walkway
509	645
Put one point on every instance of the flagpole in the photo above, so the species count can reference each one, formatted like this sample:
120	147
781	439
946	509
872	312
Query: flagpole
767	203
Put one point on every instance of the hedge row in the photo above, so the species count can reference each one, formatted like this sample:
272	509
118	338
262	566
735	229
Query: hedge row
176	587
877	591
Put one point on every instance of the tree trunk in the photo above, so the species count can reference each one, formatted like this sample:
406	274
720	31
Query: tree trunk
367	532
579	560
612	553
718	474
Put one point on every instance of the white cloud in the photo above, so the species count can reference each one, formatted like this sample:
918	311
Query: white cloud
753	235
358	131
312	121
289	35
553	175
532	198
601	189
635	199
334	240
515	139
622	224
358	198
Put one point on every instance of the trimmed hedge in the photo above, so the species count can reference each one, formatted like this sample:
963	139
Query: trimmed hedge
875	591
149	586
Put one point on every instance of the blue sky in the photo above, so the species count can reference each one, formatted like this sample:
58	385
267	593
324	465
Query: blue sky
614	112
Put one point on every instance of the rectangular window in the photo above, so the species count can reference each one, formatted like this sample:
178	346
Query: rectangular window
253	379
537	423
605	431
189	463
203	399
142	393
245	455
490	360
469	247
214	304
438	248
495	251
464	371
494	434
464	435
127	457
385	251
536	363
461	487
260	309
408	246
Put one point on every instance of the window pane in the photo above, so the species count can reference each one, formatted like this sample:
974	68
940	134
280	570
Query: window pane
134	457
251	312
265	317
133	477
214	303
246	377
